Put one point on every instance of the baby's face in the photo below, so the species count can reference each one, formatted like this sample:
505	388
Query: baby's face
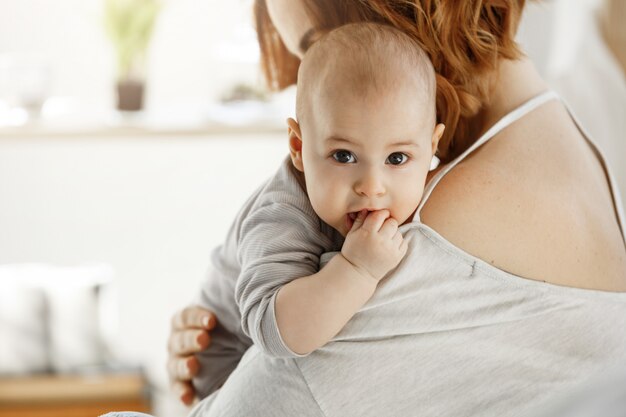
369	153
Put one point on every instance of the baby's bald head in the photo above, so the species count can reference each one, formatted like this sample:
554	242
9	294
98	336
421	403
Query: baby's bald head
368	60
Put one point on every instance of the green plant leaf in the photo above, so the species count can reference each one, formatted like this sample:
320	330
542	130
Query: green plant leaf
129	25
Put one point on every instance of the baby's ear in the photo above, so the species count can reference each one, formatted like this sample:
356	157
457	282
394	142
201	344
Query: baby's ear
437	134
295	144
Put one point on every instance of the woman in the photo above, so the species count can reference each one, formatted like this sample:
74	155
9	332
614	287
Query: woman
524	238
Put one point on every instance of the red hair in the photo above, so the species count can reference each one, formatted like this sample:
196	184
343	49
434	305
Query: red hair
465	40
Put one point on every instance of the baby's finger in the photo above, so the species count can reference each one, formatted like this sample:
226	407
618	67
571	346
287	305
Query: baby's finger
358	221
397	239
404	247
375	219
389	228
194	317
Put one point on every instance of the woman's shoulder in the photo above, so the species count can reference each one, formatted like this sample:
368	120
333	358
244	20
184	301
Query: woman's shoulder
534	202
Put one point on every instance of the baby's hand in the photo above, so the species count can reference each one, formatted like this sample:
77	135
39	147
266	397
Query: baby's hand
374	245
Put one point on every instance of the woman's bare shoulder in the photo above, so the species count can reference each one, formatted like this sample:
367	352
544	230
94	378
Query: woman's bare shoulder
509	206
468	208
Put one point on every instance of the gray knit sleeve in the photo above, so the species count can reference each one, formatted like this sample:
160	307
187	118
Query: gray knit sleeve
217	293
279	243
228	342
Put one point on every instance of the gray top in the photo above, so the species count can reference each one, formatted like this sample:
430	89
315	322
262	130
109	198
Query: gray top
445	334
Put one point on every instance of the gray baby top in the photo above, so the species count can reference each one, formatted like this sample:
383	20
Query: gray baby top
445	334
276	237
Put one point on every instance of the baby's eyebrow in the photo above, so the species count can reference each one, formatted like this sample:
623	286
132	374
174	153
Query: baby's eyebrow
391	145
404	143
339	139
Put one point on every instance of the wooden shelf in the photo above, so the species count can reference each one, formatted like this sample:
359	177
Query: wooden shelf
72	395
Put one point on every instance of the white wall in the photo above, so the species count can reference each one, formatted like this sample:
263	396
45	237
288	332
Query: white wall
152	207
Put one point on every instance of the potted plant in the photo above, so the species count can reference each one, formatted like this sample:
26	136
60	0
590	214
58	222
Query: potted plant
129	24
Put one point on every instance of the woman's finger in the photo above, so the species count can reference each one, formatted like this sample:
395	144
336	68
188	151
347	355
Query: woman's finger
182	368
185	342
194	317
184	391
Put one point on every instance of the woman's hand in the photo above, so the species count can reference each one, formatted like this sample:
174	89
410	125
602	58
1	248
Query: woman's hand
189	335
374	244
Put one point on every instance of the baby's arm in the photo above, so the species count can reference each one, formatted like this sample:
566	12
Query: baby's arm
278	242
280	250
312	310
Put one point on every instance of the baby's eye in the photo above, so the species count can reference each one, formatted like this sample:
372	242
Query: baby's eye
344	157
397	158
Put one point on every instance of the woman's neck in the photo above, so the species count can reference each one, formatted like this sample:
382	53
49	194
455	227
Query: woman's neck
515	83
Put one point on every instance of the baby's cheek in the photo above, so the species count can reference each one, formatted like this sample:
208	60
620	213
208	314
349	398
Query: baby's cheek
409	206
418	198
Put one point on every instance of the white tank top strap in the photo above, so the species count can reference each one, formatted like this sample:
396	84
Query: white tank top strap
617	198
505	121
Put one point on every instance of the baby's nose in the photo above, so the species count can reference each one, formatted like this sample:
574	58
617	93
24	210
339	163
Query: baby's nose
370	186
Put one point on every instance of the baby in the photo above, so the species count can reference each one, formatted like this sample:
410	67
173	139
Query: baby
360	151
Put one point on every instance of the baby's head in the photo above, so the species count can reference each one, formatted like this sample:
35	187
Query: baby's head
366	130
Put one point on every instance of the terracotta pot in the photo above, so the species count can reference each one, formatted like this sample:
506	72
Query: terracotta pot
130	95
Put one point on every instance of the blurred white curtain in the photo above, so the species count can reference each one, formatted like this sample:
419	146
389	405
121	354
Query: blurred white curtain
562	37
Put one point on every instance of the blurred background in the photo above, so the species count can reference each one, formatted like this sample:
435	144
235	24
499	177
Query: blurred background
129	138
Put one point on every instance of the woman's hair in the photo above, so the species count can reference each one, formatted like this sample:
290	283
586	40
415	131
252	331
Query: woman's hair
464	40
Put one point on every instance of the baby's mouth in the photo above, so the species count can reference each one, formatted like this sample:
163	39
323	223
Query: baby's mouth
350	217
